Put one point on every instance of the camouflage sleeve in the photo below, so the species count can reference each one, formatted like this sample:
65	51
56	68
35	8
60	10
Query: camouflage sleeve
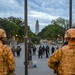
54	59
9	59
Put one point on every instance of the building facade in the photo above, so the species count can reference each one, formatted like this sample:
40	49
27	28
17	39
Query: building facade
37	27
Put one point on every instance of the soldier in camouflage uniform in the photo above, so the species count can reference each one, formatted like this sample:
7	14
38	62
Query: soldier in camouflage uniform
63	59
30	45
7	61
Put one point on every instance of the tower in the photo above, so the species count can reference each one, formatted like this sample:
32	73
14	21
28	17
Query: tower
37	27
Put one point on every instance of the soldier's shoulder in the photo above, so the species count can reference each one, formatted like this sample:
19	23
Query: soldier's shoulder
65	47
5	47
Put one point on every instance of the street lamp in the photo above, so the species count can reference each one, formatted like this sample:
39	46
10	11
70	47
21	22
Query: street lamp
70	10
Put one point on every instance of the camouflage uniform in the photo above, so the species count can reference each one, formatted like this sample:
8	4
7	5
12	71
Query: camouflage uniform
63	59
7	61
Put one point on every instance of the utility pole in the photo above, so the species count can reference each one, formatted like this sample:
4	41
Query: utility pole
70	10
26	37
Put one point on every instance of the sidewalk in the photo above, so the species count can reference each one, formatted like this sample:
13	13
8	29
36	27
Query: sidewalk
41	69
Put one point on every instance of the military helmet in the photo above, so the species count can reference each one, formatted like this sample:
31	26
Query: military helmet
70	33
2	33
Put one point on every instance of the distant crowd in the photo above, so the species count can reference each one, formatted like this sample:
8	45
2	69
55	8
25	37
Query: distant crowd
42	50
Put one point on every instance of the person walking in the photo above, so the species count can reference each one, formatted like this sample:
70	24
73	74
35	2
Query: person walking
34	50
43	50
13	49
30	46
63	59
18	50
52	49
7	61
40	52
47	51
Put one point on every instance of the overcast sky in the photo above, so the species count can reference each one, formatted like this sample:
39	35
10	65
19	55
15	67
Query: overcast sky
42	10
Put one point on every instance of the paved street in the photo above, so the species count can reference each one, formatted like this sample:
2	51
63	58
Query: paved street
41	69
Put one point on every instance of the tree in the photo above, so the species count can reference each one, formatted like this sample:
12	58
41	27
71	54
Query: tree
62	22
17	21
10	28
52	31
15	26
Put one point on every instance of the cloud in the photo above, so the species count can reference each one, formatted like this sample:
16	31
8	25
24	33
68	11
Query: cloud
9	3
11	8
42	15
42	10
8	14
43	18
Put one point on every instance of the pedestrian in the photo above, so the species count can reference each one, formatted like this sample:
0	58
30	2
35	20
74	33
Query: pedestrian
30	46
47	51
63	59
7	61
43	50
13	49
40	52
34	50
18	50
52	49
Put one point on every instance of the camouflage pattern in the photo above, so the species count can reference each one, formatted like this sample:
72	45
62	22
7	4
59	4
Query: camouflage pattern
2	33
70	33
65	59
7	61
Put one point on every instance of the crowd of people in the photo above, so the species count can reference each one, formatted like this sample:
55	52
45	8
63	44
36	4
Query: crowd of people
43	51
